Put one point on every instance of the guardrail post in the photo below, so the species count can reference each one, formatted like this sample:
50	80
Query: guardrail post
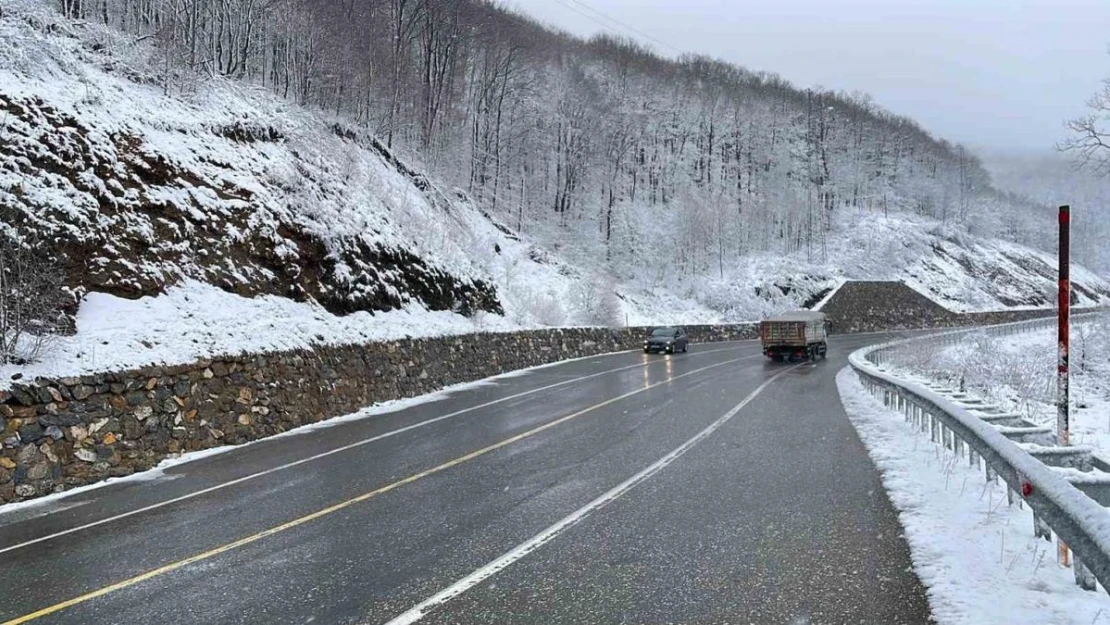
972	458
1041	529
1084	578
991	475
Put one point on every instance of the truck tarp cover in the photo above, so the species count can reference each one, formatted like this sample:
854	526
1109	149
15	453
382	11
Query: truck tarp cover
797	328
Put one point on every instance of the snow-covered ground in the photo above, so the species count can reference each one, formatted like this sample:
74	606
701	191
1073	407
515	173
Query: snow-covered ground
194	321
976	555
1019	373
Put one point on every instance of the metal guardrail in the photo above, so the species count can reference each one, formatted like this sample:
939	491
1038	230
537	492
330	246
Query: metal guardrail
1067	488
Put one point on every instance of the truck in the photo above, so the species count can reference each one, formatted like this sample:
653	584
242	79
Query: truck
800	334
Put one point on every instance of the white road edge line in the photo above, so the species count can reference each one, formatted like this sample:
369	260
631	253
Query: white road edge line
330	452
496	566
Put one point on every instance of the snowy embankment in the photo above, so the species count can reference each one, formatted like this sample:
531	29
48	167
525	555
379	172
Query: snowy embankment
1018	373
961	272
977	555
195	321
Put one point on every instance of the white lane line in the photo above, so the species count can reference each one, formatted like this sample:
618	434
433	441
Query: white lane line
489	570
330	452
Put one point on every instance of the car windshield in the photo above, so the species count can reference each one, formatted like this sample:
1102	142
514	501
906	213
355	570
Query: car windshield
663	332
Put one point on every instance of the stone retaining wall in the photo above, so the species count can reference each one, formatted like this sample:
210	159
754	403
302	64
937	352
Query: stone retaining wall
57	434
874	306
862	306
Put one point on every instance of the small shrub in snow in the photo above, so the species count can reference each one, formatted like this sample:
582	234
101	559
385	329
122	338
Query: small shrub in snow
527	306
1090	349
547	310
595	302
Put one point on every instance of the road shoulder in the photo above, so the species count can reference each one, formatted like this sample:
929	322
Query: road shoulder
976	555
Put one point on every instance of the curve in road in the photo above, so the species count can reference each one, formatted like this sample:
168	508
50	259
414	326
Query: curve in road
703	487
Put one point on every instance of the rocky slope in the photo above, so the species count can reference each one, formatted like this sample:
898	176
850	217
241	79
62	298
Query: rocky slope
132	191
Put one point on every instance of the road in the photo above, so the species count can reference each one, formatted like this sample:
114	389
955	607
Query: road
708	487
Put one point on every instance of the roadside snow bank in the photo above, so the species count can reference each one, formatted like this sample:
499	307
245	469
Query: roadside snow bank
195	321
977	556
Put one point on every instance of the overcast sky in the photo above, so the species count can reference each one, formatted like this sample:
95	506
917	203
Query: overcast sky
993	74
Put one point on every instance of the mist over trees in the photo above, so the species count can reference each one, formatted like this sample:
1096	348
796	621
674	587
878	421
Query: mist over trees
1086	183
600	148
1052	179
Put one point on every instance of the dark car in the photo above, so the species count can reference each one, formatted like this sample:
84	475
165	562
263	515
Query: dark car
669	340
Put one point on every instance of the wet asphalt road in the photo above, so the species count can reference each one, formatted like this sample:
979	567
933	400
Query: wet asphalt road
778	516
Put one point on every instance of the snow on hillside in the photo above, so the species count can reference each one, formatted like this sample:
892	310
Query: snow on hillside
961	272
1051	179
231	220
135	191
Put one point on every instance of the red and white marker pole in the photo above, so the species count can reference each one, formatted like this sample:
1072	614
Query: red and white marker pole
1063	432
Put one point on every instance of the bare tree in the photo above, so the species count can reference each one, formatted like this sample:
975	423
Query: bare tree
31	312
1090	140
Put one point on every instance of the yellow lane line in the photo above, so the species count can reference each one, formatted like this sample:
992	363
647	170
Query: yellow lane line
242	542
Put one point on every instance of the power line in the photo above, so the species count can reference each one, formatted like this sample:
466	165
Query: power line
583	4
614	24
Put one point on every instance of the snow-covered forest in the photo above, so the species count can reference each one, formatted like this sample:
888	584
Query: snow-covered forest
601	149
